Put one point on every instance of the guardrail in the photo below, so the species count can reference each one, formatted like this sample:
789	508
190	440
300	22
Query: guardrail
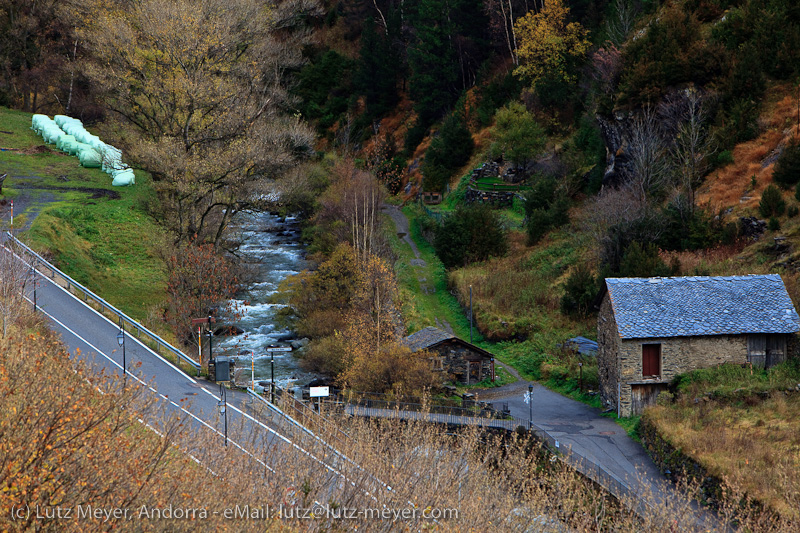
133	327
584	465
309	417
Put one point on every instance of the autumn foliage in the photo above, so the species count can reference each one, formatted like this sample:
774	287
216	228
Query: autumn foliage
199	279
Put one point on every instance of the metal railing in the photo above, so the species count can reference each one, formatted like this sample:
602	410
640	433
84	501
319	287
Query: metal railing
134	328
587	467
308	417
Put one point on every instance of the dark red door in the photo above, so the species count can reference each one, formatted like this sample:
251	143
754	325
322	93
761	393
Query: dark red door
651	360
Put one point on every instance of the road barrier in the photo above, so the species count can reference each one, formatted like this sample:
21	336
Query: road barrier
132	327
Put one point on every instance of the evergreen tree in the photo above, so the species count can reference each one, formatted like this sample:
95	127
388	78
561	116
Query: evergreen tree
434	66
378	68
470	234
449	150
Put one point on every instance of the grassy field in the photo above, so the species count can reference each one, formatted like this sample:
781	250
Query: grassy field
742	427
101	235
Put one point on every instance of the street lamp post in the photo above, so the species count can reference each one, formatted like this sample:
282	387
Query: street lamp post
33	278
530	405
210	341
580	379
272	376
223	404
121	342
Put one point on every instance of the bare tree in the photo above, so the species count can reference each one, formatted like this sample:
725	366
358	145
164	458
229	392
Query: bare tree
198	89
693	146
621	23
650	165
15	276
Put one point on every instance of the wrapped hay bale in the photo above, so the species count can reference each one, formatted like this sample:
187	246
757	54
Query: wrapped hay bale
123	177
64	141
90	158
51	133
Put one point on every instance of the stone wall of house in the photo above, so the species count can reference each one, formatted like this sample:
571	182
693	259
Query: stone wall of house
607	347
456	361
678	355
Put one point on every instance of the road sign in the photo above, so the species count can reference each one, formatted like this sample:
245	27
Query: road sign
319	392
279	349
204	320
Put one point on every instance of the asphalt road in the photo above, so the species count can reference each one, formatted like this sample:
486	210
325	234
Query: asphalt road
600	447
91	337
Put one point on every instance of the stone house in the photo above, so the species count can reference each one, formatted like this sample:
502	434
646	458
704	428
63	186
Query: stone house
651	329
457	359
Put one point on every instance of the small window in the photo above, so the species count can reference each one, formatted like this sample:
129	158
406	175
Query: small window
651	360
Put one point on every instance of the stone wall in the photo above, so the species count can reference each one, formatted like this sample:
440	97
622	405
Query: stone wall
456	360
619	361
678	355
607	348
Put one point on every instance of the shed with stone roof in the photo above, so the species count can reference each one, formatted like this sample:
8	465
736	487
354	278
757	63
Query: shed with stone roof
649	330
458	359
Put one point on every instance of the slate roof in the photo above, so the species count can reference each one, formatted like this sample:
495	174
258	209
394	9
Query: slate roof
427	337
430	337
694	306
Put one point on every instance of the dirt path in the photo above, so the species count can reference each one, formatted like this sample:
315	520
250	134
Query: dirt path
32	197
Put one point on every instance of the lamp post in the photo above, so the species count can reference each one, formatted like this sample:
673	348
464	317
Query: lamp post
223	404
210	340
580	379
121	342
33	278
470	315
530	405
272	376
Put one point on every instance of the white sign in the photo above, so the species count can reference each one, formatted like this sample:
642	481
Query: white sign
279	349
319	392
527	397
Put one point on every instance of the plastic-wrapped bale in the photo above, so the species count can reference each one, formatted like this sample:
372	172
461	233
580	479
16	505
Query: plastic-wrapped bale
80	147
82	136
39	121
91	140
73	128
51	133
96	143
112	159
65	142
123	177
61	119
90	158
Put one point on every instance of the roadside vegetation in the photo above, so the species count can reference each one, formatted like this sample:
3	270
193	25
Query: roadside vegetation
102	236
741	425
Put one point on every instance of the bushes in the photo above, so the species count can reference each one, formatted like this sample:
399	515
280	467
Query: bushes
470	234
324	87
449	150
642	261
682	56
772	203
580	292
787	168
545	208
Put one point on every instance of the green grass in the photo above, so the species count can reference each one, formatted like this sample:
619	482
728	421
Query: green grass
425	301
736	382
109	245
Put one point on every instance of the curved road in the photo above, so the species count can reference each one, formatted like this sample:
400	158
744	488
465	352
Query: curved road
597	444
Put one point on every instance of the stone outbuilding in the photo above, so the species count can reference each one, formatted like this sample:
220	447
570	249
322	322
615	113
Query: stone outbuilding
651	329
462	361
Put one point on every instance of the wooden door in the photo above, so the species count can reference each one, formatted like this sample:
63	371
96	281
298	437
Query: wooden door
776	350
651	360
757	350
